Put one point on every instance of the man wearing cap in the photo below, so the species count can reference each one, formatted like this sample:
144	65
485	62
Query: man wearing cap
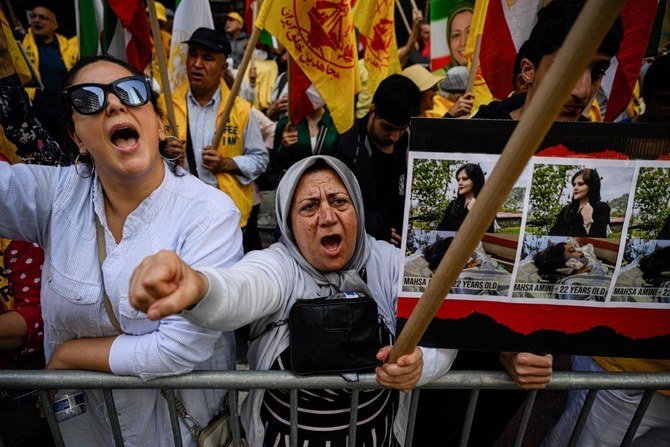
52	54
237	36
241	155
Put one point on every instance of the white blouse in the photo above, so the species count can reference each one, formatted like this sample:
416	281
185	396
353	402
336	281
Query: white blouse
56	208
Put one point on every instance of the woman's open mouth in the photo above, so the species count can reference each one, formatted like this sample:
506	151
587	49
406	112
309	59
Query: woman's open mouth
125	138
331	244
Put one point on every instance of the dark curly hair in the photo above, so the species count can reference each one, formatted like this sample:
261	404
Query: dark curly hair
66	109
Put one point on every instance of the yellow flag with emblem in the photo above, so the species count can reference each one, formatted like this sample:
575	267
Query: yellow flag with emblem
20	64
319	36
480	89
375	21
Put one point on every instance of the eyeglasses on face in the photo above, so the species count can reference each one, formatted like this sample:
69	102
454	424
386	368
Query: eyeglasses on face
90	98
36	15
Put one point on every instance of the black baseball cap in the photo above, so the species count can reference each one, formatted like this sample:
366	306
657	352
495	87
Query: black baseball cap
211	39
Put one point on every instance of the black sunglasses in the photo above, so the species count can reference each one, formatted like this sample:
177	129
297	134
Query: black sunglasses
90	98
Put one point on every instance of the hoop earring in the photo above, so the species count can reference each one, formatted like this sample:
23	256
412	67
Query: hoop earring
173	158
78	162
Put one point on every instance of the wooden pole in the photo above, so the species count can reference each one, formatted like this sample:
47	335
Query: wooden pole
414	7
162	65
254	14
403	16
474	66
235	89
14	23
587	33
289	73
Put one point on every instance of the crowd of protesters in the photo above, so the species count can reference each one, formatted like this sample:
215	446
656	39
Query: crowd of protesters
89	176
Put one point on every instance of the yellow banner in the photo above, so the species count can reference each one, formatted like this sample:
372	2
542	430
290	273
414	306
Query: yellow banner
20	64
374	20
319	36
480	89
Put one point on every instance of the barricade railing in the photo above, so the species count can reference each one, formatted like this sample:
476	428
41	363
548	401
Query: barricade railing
236	381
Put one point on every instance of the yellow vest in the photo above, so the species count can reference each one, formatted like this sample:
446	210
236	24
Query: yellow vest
69	51
266	75
232	143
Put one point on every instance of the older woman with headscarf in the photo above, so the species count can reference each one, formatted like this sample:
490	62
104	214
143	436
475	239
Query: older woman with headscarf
323	249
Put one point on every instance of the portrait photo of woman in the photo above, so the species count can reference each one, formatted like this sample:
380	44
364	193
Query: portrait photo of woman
586	214
470	179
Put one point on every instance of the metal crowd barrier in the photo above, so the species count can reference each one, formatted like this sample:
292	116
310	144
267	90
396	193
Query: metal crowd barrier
237	381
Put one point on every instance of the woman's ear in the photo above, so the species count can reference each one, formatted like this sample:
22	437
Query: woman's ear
80	144
527	71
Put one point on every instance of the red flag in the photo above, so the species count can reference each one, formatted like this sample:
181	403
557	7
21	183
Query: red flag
638	19
300	103
133	17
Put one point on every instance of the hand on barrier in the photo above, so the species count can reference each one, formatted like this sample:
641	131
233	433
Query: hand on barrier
529	371
402	375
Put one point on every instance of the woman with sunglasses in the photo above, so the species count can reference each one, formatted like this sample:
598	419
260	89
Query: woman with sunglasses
97	220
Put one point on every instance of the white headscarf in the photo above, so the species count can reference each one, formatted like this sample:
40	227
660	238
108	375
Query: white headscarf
349	278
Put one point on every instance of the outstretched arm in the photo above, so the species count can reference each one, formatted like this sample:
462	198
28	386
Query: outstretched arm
164	285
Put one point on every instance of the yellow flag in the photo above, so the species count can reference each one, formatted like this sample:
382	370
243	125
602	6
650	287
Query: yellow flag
20	64
319	36
480	89
374	20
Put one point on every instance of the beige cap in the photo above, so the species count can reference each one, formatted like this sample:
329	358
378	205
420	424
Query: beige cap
423	79
234	16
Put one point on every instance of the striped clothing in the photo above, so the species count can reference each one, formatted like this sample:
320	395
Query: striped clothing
323	416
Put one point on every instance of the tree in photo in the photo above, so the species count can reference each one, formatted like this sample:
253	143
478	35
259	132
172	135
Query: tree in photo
546	192
652	202
430	191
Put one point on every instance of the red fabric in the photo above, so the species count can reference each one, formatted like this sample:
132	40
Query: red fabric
562	151
524	318
497	52
638	18
133	17
248	17
299	104
23	262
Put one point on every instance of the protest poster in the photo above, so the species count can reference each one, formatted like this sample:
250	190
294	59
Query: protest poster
575	260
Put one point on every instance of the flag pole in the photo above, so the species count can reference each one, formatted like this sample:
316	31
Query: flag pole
403	16
595	19
254	14
162	65
234	90
289	71
14	22
474	66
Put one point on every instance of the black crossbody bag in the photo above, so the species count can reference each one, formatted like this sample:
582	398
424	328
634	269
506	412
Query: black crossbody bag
341	333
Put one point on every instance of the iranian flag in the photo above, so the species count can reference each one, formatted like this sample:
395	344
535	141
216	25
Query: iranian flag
189	15
89	16
439	46
119	28
505	26
126	32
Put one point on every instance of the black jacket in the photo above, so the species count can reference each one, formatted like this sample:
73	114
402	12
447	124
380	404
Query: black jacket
380	176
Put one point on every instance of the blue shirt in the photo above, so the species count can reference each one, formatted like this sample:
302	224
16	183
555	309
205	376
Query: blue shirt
202	127
56	208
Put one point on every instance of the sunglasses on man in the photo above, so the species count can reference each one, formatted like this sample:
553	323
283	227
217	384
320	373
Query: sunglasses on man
90	98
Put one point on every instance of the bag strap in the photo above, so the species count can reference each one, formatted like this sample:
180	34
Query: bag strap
102	254
275	324
190	422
